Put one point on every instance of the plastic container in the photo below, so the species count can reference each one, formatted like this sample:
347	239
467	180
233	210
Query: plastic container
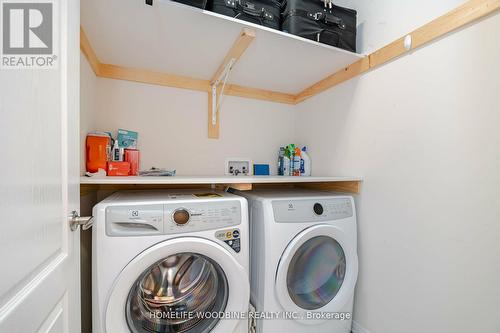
280	161
97	151
296	162
305	163
287	163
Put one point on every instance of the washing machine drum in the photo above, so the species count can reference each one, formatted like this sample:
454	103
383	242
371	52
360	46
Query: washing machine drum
171	293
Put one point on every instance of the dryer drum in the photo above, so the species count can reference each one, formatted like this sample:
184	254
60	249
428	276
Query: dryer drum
316	272
171	295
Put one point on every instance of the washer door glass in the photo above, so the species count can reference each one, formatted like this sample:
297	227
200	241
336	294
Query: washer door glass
173	294
316	272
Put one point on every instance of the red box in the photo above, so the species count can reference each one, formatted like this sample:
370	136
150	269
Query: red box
132	156
118	168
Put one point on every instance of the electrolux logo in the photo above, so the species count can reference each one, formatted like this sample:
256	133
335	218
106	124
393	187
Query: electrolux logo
28	32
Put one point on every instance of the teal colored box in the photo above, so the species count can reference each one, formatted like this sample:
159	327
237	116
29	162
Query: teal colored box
127	139
261	169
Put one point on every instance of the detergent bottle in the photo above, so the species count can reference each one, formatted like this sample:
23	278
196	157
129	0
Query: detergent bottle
296	162
305	163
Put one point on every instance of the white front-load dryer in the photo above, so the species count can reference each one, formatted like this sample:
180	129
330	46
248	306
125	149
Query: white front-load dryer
303	261
168	261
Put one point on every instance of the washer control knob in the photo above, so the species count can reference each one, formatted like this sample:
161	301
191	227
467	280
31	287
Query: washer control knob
318	209
181	216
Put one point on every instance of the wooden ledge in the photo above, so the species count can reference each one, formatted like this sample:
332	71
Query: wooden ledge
244	183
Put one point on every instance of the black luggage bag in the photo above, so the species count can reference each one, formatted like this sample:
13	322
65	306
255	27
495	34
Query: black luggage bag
263	12
193	3
321	21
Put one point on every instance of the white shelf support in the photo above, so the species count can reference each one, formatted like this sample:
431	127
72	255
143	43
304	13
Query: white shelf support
217	99
244	40
214	105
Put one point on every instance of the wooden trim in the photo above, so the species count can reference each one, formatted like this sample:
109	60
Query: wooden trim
169	80
387	53
89	53
86	189
144	76
352	186
467	13
344	186
243	41
461	16
261	94
343	75
241	187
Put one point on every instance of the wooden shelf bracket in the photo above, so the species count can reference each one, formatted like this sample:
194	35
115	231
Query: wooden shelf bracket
243	41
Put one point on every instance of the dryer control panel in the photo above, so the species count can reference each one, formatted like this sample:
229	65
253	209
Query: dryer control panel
171	218
312	210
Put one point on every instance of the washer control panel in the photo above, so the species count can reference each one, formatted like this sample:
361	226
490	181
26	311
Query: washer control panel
312	210
199	216
171	218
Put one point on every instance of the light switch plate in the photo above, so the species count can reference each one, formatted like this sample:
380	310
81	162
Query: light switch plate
238	167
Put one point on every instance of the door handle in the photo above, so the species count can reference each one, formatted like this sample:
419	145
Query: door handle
75	220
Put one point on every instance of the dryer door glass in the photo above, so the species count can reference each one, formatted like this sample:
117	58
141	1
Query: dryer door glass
174	293
316	272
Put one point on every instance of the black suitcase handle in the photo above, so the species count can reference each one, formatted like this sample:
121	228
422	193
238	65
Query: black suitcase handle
324	17
248	8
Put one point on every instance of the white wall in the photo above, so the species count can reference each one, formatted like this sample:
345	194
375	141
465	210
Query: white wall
88	106
423	131
380	22
172	124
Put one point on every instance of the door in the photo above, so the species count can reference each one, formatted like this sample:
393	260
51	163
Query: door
39	184
180	285
317	271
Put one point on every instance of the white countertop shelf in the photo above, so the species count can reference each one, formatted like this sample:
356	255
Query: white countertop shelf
213	180
344	184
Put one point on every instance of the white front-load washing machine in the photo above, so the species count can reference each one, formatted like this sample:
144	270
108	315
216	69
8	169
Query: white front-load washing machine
168	261
303	261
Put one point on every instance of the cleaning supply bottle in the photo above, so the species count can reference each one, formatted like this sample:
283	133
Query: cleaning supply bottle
305	163
296	162
286	162
280	161
291	149
117	155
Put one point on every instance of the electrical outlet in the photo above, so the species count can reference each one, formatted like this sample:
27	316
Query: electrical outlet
238	167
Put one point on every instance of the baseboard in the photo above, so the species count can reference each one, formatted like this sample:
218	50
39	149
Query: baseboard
357	328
